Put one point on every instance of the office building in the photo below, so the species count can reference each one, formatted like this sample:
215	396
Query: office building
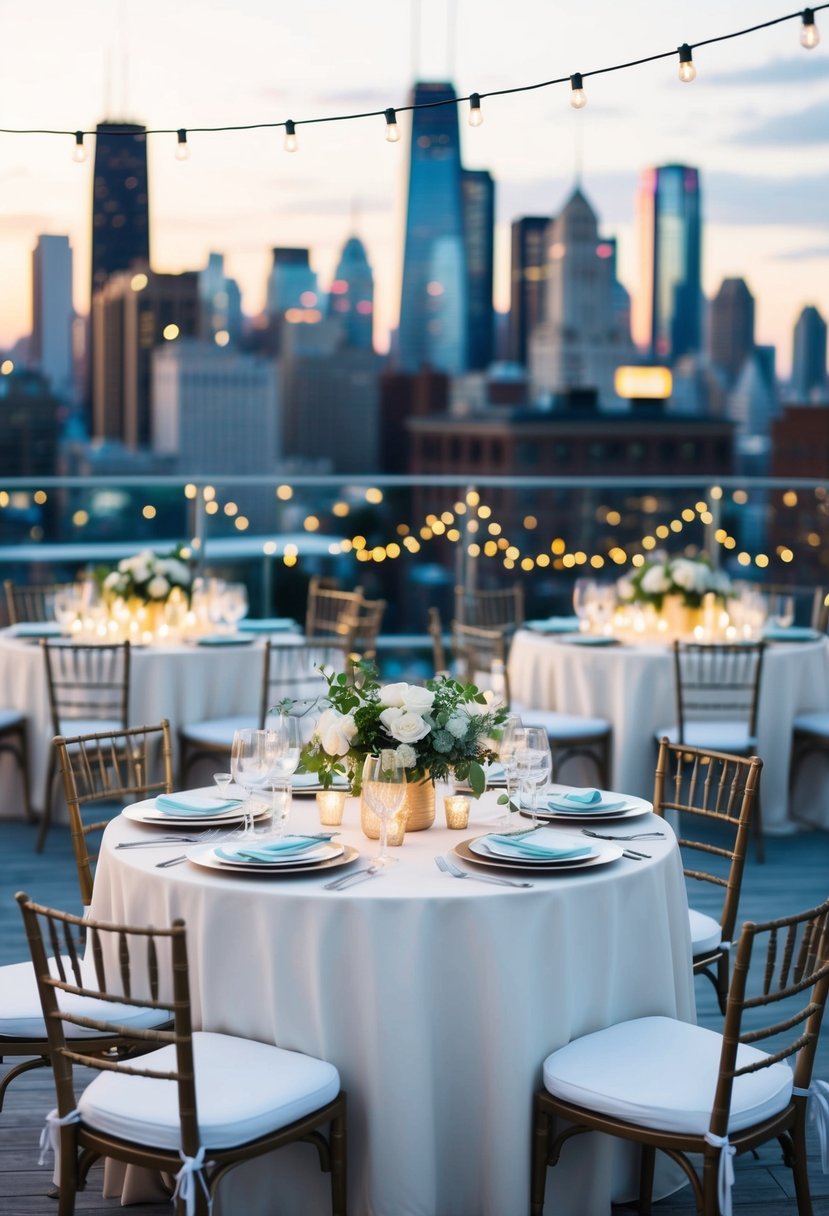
53	313
667	315
731	327
433	300
478	198
29	425
120	201
292	294
580	344
351	295
809	356
528	260
221	304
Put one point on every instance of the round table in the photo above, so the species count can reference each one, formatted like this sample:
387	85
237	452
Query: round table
633	687
437	1000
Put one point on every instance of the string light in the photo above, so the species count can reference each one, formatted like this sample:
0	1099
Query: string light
809	32
291	143
182	149
392	129
476	116
79	151
578	98
687	71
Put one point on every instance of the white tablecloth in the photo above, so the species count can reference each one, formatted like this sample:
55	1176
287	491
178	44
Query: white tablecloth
633	687
181	683
436	999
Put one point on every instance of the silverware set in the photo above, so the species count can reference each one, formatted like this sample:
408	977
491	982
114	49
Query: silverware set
449	867
352	879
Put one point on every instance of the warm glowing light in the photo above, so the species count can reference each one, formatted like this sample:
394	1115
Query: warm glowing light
513	553
393	549
790	498
6	367
284	493
80	518
231	509
138	282
149	512
291	144
340	509
374	495
475	113
359	542
527	563
638	559
687	71
40	497
493	528
190	490
740	496
688	515
484	511
761	560
662	532
221	337
308	299
716	492
578	98
744	558
209	493
392	129
596	561
648	542
211	507
182	148
543	560
490	548
453	534
530	522
643	383
269	548
79	151
809	32
614	518
434	288
170	332
786	555
557	546
473	498
311	523
474	550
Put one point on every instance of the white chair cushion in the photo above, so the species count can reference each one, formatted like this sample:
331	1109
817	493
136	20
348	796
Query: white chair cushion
706	933
218	732
243	1090
714	736
660	1073
21	1017
813	724
9	718
562	726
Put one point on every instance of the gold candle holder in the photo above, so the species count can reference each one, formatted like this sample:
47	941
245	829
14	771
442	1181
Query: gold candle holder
456	808
396	829
331	804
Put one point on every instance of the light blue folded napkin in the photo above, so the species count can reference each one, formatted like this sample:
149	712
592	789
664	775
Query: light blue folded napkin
224	639
562	802
555	624
272	850
581	797
270	624
194	804
525	846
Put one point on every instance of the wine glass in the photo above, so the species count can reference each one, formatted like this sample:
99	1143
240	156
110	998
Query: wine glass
534	764
781	611
284	745
512	736
583	592
234	604
384	788
250	766
66	604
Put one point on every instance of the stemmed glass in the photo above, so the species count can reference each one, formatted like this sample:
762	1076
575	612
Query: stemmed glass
284	746
234	603
781	611
583	591
512	735
384	788
534	764
250	764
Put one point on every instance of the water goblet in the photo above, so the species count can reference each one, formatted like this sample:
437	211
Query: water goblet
284	745
234	604
534	765
584	590
223	781
384	788
781	611
250	765
511	739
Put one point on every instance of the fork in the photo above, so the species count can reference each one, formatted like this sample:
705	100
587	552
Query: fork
339	884
449	867
162	842
635	836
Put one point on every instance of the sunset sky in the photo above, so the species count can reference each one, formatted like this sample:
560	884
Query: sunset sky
755	122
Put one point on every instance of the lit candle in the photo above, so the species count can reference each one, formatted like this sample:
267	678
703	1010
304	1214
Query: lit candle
331	804
456	807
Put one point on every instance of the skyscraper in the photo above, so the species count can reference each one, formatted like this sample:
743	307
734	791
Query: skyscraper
528	256
53	312
668	305
351	296
120	201
478	198
292	292
731	338
433	313
809	354
221	301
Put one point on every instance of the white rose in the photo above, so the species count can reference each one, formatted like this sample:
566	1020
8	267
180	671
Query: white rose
655	581
335	732
158	588
458	725
684	574
418	700
393	694
112	580
408	728
407	755
389	716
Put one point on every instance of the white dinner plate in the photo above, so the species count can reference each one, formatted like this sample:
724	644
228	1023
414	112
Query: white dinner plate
603	857
208	861
309	783
148	812
485	846
324	851
631	808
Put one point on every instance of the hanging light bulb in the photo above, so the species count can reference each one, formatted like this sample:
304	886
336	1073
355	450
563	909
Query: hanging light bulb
182	148
809	32
687	71
578	98
291	144
392	129
79	151
476	116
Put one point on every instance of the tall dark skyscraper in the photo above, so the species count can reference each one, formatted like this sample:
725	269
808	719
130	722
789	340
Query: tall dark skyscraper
478	197
528	256
433	301
351	297
809	354
120	201
668	307
731	338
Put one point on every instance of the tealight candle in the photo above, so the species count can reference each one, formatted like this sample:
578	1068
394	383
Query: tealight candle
456	808
331	804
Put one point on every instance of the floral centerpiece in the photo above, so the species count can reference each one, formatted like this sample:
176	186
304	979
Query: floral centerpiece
441	728
149	576
689	579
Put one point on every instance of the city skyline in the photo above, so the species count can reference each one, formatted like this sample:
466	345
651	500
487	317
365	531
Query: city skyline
241	195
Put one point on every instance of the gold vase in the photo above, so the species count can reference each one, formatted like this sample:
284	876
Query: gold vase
418	810
681	619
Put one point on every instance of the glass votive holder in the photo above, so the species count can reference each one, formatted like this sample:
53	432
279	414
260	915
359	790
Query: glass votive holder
456	808
331	804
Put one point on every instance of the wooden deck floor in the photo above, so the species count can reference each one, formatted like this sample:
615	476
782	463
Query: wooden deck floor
796	875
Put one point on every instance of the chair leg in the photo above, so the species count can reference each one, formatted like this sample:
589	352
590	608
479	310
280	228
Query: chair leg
538	1169
337	1141
46	818
800	1172
646	1171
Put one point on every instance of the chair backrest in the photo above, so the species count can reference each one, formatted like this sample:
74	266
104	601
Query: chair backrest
292	675
501	609
330	611
480	658
820	609
138	967
113	768
31	602
87	682
711	790
435	631
718	680
792	990
363	619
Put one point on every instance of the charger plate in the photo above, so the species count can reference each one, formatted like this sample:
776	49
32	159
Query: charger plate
632	808
324	850
147	812
208	861
602	858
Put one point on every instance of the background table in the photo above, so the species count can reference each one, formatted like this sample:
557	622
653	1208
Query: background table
437	1000
633	687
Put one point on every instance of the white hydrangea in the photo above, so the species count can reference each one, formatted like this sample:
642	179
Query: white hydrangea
407	755
655	581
